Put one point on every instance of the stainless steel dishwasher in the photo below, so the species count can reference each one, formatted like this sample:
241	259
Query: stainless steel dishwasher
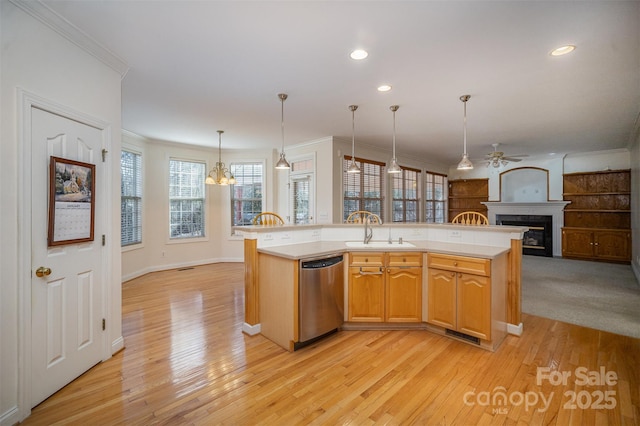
321	298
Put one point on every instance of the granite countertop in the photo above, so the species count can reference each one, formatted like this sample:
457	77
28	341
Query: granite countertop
327	248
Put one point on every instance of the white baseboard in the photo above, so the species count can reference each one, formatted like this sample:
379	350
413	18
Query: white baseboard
516	330
251	330
117	345
10	417
158	268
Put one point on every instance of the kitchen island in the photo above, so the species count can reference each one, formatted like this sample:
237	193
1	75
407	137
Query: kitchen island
458	280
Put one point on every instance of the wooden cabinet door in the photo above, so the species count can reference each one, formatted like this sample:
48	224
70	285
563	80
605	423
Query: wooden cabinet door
442	298
474	305
577	243
366	294
403	301
613	245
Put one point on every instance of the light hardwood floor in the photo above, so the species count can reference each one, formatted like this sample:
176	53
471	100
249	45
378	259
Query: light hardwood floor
187	362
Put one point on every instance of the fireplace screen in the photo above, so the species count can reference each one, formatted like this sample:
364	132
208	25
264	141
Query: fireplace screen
538	239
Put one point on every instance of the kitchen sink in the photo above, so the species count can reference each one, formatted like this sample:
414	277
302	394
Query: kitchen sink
378	244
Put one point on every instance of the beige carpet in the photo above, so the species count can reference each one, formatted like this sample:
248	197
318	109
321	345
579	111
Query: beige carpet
603	296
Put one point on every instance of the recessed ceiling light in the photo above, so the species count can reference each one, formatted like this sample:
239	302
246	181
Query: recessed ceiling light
359	54
563	50
384	88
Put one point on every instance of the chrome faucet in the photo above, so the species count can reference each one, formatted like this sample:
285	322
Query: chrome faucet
368	232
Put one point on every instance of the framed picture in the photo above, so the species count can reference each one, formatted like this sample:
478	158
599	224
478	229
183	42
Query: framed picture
71	201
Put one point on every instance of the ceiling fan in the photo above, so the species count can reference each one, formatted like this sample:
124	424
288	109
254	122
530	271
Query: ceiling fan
497	158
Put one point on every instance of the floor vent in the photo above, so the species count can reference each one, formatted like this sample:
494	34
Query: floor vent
463	336
185	269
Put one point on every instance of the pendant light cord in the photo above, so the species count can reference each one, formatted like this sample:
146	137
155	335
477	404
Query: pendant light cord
464	123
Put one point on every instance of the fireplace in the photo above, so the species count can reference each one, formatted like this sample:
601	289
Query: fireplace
538	240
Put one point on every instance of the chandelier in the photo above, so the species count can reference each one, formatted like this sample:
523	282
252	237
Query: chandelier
220	175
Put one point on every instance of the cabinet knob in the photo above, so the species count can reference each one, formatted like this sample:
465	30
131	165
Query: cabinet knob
455	263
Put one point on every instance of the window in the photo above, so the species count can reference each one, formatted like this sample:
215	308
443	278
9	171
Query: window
186	199
364	190
130	198
301	180
435	197
246	193
404	202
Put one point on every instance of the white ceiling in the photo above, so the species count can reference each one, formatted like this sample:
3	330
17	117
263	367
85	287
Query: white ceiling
200	66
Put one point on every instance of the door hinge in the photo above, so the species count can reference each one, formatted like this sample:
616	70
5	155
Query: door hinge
104	239
104	155
104	324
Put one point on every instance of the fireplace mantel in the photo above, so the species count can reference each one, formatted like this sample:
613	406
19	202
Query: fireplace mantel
549	208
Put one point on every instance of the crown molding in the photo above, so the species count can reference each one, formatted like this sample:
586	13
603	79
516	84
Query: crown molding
66	29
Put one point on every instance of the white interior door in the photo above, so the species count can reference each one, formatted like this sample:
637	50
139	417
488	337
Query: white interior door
66	304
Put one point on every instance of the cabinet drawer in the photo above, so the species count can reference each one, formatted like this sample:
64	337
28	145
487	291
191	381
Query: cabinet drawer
366	259
470	265
405	259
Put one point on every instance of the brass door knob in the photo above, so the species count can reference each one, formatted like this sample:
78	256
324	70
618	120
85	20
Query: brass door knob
43	271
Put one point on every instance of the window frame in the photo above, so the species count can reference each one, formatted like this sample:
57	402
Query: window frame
362	200
404	200
232	187
139	198
427	200
204	198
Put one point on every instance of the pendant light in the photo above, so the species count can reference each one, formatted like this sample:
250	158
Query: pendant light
394	168
222	175
353	168
282	163
465	163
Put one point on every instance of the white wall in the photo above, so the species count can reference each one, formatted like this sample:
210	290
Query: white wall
40	61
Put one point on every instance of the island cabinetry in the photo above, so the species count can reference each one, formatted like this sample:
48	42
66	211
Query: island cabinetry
460	295
385	287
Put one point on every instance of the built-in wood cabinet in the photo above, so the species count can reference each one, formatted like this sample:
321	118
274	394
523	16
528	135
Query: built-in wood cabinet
459	295
601	244
468	195
385	287
597	222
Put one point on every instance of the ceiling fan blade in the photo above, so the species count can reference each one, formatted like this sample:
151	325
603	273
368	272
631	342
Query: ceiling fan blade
511	159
